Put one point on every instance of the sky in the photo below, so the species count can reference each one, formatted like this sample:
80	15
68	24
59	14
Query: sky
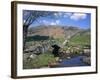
81	20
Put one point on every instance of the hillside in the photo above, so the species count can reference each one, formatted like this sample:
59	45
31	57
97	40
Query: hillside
54	31
81	38
39	43
75	35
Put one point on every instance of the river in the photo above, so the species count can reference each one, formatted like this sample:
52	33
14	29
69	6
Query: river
75	61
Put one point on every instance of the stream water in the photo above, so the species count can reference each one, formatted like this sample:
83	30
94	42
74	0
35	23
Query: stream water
75	61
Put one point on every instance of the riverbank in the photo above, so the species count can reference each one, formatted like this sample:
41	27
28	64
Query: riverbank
73	62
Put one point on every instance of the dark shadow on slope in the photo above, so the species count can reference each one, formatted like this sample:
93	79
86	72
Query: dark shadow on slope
37	38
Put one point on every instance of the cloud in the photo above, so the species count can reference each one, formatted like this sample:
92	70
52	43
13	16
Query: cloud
24	21
72	16
58	14
52	23
62	14
45	22
57	21
78	16
65	15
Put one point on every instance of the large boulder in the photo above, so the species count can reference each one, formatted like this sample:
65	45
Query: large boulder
87	52
87	60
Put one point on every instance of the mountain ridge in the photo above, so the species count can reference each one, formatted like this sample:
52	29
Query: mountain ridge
55	31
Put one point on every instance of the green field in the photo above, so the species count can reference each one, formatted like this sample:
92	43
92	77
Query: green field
41	61
80	39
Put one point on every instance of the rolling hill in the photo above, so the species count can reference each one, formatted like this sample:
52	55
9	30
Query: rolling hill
54	31
75	35
81	38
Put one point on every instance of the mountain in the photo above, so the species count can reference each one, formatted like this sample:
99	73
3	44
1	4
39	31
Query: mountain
55	31
71	31
51	31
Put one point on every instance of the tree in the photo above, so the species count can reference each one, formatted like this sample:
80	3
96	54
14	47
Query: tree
29	17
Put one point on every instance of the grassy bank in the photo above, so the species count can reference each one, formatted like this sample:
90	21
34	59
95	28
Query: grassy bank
40	61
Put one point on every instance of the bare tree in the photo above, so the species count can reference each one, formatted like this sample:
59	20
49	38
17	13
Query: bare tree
30	17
